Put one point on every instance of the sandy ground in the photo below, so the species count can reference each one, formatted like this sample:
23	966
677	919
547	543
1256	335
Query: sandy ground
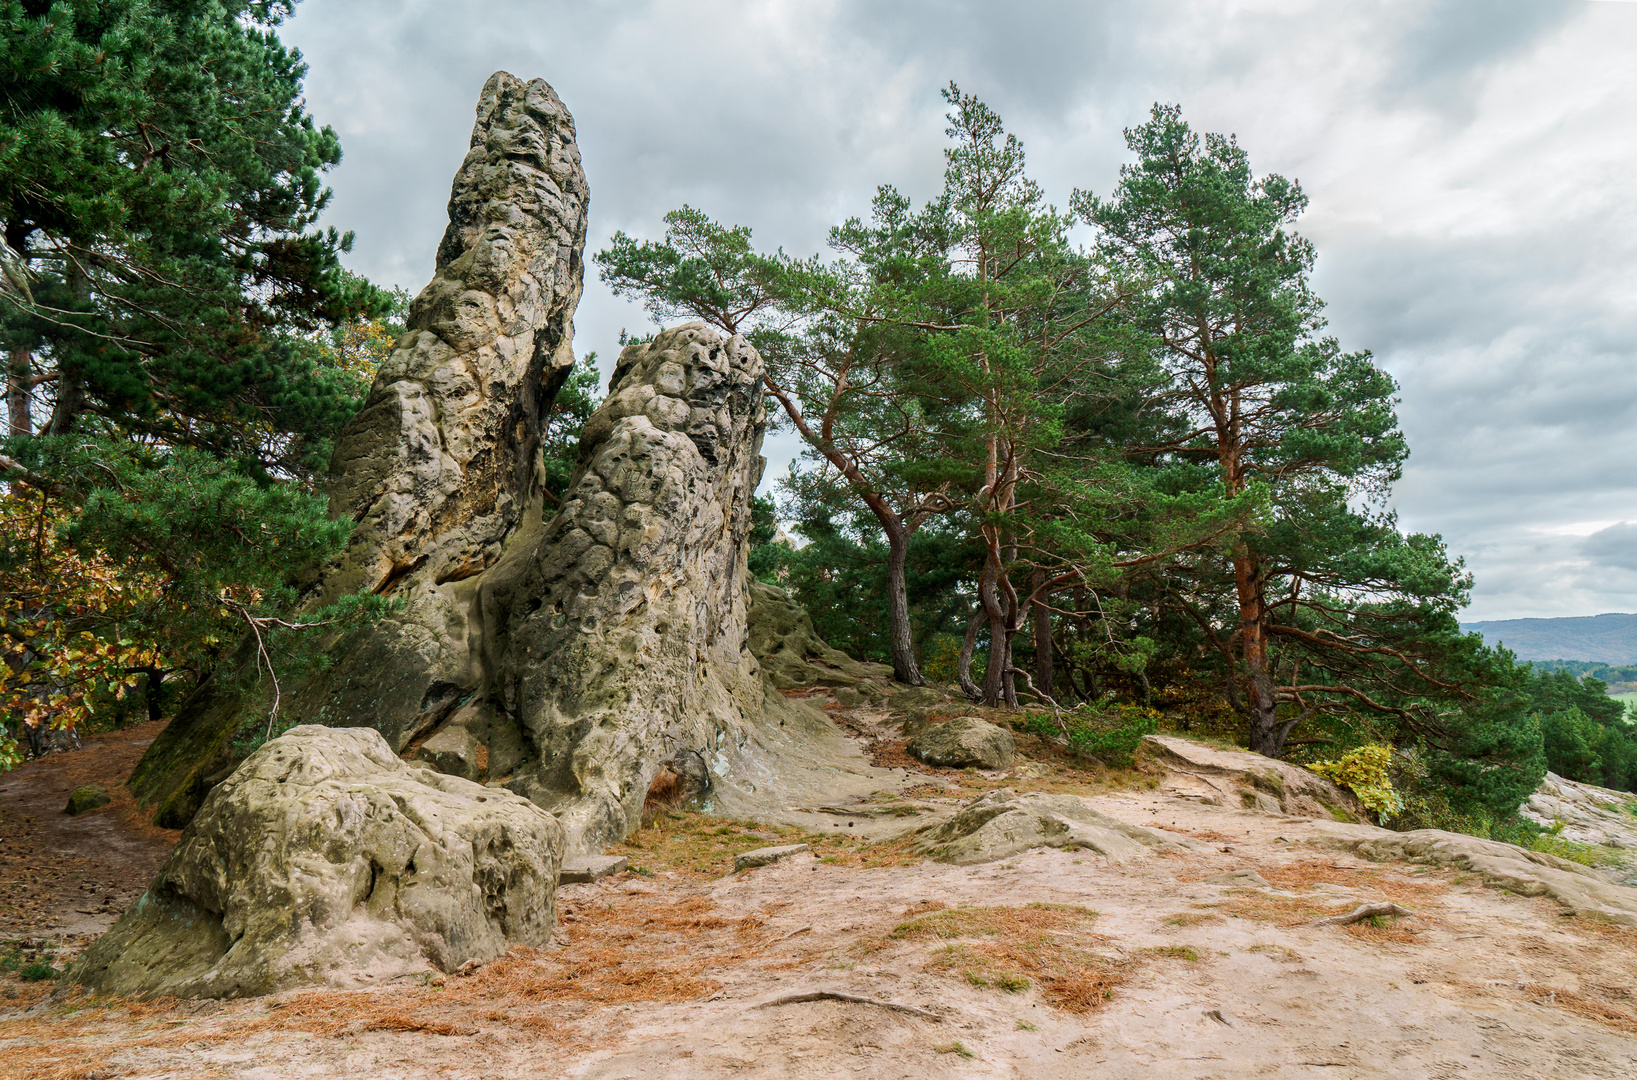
69	877
671	974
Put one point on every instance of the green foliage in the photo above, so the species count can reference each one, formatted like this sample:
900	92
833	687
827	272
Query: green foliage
560	445
1364	770
159	176
1110	733
171	559
769	561
1587	734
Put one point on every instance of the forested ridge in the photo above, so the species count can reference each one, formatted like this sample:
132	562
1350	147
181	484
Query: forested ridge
1094	461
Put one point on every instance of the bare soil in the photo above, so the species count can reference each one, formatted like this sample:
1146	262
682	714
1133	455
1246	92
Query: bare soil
70	877
1053	964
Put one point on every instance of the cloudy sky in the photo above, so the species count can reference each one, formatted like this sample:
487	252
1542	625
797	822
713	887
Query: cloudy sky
1471	165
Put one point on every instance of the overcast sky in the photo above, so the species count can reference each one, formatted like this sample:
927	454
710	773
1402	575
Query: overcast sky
1471	166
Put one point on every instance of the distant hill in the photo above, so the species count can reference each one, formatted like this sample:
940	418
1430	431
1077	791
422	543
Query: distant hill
1607	639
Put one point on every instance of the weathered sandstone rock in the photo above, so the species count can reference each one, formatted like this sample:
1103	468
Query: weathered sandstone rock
439	466
617	634
1588	814
1002	823
324	859
1238	778
1529	873
585	660
965	741
792	654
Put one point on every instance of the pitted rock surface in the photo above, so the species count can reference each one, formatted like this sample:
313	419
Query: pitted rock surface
792	653
577	660
439	466
324	859
618	639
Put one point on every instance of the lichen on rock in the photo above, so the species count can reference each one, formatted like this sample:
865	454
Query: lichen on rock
324	859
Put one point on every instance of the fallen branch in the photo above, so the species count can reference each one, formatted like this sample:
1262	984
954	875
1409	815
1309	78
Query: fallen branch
1363	911
855	999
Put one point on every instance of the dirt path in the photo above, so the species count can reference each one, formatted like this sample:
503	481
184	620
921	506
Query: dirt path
67	877
1185	970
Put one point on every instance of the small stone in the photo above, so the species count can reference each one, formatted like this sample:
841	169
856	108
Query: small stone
1245	878
766	856
588	868
85	799
965	741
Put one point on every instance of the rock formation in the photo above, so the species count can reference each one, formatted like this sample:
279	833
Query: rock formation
1002	823
1238	778
325	859
438	468
617	638
792	654
1528	873
965	741
581	661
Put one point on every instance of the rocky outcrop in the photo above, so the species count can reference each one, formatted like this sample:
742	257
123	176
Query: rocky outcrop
1507	866
1238	778
792	654
325	860
1585	813
590	660
439	466
1002	823
617	638
965	741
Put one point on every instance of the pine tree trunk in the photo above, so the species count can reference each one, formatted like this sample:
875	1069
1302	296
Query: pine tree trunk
19	371
904	667
1042	633
1260	698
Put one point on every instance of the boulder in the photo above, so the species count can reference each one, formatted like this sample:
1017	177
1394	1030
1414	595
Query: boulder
965	741
323	859
1529	873
1239	778
1003	823
82	800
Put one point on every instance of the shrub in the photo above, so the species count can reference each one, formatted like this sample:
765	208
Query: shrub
1364	771
1112	737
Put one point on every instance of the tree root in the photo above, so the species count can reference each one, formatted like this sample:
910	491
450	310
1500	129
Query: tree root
1363	911
855	999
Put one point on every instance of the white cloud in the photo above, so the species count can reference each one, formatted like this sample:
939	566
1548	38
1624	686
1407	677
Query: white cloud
1468	162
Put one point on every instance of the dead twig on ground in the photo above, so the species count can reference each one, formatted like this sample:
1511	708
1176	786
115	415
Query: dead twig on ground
854	999
1362	912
